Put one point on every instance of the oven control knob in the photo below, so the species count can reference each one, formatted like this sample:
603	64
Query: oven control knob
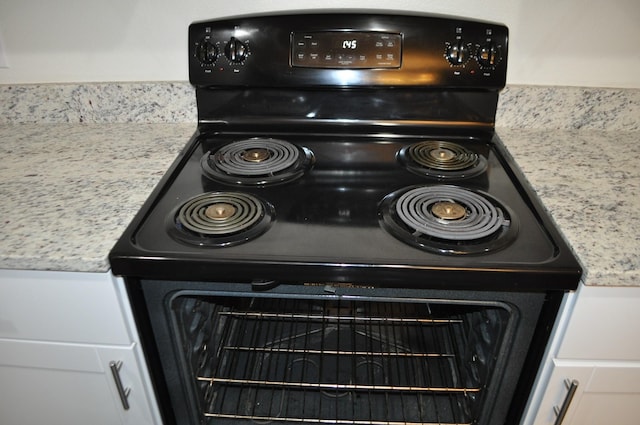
457	53
488	55
206	52
236	51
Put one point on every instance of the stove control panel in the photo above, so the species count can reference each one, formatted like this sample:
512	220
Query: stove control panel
348	49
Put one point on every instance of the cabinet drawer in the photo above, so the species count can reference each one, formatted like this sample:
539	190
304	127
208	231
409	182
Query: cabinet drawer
63	307
607	393
603	325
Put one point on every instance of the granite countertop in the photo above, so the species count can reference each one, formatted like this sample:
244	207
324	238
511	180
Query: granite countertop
589	180
69	190
78	161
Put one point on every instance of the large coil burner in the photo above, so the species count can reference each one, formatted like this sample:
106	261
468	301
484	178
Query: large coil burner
442	160
447	219
257	161
221	219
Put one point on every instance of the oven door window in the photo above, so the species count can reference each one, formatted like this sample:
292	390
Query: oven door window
330	360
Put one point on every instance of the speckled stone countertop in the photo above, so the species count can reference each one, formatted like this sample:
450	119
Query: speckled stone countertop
589	180
69	190
78	162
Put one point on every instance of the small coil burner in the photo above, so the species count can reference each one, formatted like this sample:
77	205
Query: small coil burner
447	219
441	159
257	161
221	219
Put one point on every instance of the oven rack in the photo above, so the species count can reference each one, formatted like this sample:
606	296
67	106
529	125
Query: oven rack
342	363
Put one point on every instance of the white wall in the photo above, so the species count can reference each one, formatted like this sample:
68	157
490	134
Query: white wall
553	42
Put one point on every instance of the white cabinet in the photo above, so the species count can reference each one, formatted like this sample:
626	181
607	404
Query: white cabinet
607	393
59	335
597	346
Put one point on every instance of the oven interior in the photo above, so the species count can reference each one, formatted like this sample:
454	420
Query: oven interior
265	357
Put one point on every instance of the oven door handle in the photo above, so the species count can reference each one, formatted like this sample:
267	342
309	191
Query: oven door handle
263	284
572	387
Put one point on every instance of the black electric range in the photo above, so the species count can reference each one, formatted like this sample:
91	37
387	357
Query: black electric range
347	148
345	206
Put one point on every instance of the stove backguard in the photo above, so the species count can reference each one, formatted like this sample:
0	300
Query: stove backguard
326	354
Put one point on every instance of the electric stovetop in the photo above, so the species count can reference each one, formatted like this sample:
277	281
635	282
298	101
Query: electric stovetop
314	134
333	219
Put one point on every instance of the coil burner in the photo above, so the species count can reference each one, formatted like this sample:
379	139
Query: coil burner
257	161
447	219
221	219
442	160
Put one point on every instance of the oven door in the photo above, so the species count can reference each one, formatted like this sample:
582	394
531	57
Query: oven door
334	355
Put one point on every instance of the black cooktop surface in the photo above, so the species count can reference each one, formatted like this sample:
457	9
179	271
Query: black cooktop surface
334	213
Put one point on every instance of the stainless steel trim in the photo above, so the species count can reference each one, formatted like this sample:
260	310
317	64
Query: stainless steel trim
123	392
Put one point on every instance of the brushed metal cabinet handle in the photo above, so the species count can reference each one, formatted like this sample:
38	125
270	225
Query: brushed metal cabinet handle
561	411
122	391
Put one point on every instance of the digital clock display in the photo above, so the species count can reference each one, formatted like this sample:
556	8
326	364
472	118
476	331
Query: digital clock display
346	49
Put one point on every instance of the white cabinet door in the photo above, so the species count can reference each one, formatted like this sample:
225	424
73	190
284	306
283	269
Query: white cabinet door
68	384
596	342
59	332
61	307
607	393
603	325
